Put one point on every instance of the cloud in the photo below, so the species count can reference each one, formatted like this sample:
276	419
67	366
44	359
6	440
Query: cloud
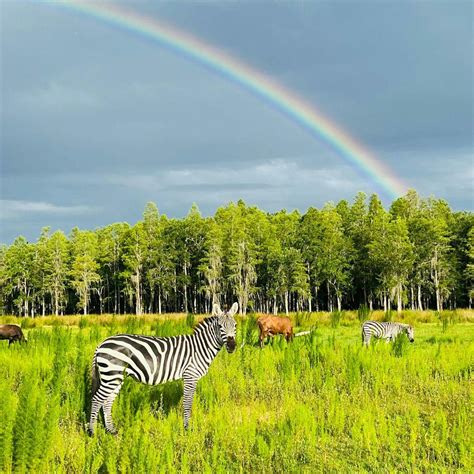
55	97
13	209
271	184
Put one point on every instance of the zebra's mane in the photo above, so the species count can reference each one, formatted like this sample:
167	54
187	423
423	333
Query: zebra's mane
206	322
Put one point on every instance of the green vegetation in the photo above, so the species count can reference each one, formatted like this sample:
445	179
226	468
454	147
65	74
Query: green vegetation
419	254
319	404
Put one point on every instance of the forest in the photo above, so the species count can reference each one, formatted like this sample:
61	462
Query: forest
418	254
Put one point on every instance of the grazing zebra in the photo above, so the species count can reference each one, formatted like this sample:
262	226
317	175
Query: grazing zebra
387	331
154	360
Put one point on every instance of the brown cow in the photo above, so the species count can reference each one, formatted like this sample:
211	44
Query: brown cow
271	325
12	332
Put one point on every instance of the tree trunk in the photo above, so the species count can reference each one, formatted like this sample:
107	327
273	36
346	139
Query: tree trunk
399	298
420	302
138	296
185	269
329	298
439	303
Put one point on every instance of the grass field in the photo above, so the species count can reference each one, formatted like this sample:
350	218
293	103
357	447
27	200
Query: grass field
320	403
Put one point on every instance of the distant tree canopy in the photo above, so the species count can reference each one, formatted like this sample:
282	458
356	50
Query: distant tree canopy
418	254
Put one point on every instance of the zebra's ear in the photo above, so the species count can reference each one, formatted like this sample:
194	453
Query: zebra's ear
234	309
216	310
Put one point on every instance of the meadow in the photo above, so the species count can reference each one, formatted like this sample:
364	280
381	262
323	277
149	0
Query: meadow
321	403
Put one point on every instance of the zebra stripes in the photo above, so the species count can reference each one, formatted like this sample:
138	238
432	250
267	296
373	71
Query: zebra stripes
387	331
154	360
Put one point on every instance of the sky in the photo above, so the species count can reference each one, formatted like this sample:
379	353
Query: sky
96	121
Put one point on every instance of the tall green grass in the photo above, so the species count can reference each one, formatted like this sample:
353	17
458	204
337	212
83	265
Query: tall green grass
321	403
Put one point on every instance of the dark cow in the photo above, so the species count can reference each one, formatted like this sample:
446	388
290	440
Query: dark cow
271	325
12	332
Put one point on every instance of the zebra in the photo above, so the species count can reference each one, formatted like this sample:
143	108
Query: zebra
387	331
155	360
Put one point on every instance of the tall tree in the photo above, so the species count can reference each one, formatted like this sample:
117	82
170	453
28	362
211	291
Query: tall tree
84	269
334	254
134	259
392	254
59	255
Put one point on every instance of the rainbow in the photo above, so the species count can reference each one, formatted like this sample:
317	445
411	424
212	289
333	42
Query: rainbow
260	85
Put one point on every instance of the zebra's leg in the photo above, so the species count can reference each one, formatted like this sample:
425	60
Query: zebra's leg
366	339
101	396
189	389
96	406
107	407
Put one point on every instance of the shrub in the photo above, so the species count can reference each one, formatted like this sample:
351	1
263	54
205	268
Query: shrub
400	345
388	315
336	317
363	313
190	320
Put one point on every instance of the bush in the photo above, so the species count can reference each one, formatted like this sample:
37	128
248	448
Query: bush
400	345
336	317
363	313
190	320
388	316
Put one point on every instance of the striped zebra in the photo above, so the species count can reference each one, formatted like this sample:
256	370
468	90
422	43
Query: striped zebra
387	331
155	360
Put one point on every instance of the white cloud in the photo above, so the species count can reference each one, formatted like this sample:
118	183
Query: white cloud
56	96
11	209
273	184
269	174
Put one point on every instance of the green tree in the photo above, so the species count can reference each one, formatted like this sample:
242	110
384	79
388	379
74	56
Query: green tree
134	258
59	255
392	254
334	255
84	269
19	274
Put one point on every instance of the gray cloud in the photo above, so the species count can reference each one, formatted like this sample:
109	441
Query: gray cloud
96	118
11	209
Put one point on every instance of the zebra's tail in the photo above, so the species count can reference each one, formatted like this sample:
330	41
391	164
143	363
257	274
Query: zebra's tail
95	376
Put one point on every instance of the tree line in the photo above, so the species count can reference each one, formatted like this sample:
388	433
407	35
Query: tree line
419	254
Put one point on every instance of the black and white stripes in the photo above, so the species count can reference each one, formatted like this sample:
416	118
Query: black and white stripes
387	331
154	360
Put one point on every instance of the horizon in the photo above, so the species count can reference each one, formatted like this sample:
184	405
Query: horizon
302	212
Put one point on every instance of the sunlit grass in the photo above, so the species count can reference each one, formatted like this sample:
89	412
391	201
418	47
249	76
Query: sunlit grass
320	403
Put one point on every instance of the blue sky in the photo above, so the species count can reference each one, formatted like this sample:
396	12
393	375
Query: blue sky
96	121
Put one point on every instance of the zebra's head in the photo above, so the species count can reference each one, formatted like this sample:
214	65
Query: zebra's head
227	325
410	333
